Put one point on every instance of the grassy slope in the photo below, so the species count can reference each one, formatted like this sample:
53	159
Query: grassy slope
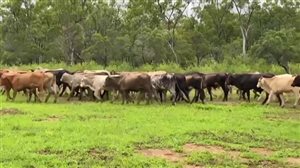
114	132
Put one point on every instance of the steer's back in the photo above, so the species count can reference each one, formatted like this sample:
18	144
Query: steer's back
280	83
28	80
99	81
135	81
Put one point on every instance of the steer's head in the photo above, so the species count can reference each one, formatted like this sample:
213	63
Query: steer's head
296	82
229	79
86	82
63	77
112	82
260	82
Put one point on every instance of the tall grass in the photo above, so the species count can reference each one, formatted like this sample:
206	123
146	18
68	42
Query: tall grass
230	66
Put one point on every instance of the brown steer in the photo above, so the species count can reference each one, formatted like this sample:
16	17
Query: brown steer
137	82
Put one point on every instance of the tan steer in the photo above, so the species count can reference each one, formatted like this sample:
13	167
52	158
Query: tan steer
279	84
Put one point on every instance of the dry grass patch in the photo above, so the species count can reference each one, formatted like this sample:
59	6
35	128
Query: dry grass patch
262	151
48	151
211	149
52	118
292	115
10	111
294	161
101	153
163	153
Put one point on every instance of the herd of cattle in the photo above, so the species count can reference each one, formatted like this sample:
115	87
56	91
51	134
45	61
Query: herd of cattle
149	85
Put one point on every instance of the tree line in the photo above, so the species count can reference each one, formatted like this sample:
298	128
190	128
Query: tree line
185	32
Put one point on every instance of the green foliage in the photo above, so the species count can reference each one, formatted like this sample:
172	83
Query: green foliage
278	46
207	66
149	32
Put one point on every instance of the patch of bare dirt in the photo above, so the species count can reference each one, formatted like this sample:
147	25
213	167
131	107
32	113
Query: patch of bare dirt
294	160
163	153
267	163
193	166
172	156
211	149
101	153
10	111
48	151
293	115
262	151
203	148
52	118
93	117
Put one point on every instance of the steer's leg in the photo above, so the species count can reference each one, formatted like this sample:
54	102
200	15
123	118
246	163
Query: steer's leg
71	94
8	97
36	95
270	97
97	93
202	95
156	95
209	92
164	95
243	94
195	98
265	100
81	90
149	96
48	96
260	96
55	92
63	90
160	94
140	96
297	97
225	91
128	97
115	95
248	95
14	95
281	99
29	96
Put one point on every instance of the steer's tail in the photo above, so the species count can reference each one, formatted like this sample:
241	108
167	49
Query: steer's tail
183	93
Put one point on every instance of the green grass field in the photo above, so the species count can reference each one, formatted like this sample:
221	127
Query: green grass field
88	134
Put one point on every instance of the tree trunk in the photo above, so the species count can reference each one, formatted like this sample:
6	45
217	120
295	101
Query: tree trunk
72	56
105	58
173	51
285	67
245	35
40	59
144	60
